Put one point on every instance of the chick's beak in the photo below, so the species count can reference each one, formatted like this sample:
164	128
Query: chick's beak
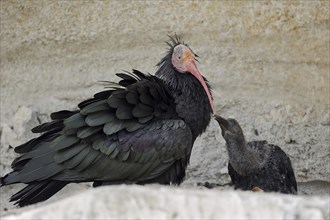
222	122
189	60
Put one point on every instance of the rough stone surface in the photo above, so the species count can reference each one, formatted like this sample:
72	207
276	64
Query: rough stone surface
155	202
268	62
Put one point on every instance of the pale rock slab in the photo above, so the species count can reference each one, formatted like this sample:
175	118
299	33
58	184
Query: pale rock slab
159	202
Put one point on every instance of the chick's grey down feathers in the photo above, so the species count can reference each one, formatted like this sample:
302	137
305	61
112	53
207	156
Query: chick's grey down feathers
140	130
256	163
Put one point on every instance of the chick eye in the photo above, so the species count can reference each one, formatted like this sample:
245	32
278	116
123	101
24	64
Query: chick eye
179	57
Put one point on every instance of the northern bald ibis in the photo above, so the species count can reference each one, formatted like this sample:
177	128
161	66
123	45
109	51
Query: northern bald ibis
140	131
256	165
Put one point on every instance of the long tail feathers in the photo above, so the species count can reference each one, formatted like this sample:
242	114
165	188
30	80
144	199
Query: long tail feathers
37	192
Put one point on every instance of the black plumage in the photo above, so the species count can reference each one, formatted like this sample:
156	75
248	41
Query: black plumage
256	164
141	130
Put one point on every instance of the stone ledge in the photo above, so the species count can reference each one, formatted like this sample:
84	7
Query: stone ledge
161	202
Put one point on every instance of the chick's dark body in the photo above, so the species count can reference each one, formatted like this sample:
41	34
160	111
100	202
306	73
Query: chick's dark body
276	175
256	163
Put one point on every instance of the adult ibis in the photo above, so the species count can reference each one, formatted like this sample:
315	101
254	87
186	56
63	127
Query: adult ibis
141	130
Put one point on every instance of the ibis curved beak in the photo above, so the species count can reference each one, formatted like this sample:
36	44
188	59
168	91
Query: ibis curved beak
192	68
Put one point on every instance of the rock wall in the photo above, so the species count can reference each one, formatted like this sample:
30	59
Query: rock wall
268	63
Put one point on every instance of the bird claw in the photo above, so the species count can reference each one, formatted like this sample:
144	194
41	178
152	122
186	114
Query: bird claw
209	185
256	189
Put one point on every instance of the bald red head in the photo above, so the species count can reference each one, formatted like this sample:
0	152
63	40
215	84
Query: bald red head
183	60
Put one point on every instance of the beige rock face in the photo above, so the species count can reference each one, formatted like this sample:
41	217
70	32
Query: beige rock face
154	202
268	63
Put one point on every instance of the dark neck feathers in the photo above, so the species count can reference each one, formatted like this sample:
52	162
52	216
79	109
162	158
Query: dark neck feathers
192	103
244	158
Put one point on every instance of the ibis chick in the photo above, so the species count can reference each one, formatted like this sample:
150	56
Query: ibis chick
256	164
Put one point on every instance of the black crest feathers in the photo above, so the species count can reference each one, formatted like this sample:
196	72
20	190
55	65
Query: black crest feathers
172	43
